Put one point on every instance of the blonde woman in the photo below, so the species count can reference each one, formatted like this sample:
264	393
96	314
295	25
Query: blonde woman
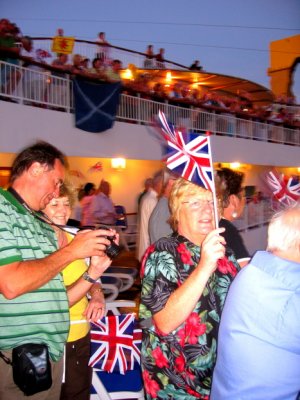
185	278
78	374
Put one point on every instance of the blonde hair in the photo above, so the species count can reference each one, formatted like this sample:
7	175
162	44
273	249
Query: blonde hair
68	190
182	189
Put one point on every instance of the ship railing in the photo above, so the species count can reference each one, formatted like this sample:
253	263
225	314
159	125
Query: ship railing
49	89
255	214
90	49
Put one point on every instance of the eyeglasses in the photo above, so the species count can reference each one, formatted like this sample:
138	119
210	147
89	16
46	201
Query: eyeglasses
194	205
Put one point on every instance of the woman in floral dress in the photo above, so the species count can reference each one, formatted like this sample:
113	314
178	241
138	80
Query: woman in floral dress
185	278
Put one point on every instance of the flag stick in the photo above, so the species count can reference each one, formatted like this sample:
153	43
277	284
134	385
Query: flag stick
215	200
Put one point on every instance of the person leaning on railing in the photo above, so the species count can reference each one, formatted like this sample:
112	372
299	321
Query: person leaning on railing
10	50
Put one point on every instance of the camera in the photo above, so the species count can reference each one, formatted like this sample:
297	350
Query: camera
112	250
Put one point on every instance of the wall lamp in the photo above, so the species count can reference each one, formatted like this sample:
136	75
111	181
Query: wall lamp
118	163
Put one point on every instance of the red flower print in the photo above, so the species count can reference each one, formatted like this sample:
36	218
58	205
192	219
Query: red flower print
194	328
180	363
193	393
160	359
148	251
226	267
182	336
151	387
185	255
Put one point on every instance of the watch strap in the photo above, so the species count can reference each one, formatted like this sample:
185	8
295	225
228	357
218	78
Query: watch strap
87	278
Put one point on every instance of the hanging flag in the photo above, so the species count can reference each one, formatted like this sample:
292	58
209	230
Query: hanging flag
63	44
188	154
96	167
285	190
115	343
96	104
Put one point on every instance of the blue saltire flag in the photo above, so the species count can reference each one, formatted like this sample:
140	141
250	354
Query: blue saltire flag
96	104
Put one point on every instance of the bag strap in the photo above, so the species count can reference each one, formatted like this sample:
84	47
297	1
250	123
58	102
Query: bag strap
6	359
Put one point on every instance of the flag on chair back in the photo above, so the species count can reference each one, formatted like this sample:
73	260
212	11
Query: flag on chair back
96	104
115	343
187	154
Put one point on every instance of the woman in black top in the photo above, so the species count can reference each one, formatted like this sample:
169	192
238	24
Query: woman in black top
233	202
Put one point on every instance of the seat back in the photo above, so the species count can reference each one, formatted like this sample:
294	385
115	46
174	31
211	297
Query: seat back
121	217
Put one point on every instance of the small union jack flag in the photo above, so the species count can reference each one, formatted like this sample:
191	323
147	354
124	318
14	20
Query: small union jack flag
136	348
114	344
285	190
188	154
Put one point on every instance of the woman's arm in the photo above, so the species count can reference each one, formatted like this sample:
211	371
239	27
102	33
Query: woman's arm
96	307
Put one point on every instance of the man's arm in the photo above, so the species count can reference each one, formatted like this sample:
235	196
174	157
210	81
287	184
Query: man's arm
24	276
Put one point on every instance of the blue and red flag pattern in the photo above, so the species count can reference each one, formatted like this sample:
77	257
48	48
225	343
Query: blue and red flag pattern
188	154
285	190
115	343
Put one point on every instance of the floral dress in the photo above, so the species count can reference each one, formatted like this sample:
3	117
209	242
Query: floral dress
179	365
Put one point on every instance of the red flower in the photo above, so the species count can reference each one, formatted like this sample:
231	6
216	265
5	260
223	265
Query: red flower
180	363
160	359
181	334
194	328
226	267
149	250
151	387
184	254
193	393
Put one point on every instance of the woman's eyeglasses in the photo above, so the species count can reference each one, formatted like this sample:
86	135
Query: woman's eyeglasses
194	205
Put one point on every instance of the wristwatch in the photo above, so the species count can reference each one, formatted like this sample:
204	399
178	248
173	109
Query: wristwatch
86	277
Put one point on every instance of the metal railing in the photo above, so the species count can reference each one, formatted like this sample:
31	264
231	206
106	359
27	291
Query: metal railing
89	49
54	90
254	215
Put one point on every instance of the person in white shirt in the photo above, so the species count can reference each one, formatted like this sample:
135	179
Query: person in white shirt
147	205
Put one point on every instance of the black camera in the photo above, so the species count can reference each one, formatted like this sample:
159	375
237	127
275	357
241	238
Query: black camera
113	250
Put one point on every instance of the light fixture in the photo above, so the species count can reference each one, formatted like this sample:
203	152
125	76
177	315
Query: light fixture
235	165
127	74
118	163
168	77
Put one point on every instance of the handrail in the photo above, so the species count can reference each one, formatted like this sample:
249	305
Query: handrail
29	86
95	44
254	215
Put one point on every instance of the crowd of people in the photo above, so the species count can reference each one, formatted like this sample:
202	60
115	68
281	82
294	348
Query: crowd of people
218	323
106	69
189	346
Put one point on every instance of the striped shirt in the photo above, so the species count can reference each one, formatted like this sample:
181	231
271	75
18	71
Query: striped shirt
40	316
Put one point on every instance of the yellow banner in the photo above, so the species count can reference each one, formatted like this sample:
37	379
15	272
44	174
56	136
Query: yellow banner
63	44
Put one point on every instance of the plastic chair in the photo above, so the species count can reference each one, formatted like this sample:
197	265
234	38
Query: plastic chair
128	231
111	286
127	276
114	386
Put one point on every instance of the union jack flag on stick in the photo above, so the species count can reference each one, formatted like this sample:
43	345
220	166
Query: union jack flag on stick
188	154
285	190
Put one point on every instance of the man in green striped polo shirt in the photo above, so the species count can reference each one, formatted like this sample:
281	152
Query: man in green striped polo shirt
34	303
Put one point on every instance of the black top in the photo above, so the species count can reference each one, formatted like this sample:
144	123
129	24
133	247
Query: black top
233	239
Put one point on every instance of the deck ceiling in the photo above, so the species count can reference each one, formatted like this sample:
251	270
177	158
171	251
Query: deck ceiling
222	84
